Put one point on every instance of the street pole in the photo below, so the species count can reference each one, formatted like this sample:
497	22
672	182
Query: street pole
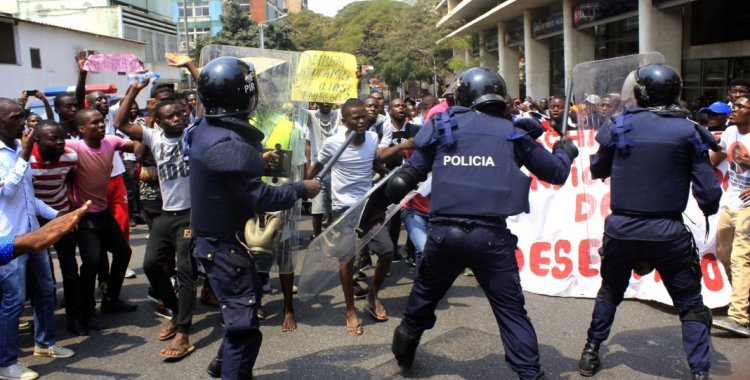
262	42
187	41
434	77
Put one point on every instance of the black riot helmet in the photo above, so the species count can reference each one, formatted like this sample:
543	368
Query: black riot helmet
228	87
657	85
483	90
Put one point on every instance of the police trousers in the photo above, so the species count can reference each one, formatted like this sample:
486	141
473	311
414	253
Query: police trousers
490	253
678	264
233	278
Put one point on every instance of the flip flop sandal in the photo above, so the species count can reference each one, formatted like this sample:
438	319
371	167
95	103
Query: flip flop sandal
371	310
181	353
169	334
355	330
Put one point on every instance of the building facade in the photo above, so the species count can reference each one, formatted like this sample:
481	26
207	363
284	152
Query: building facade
534	44
32	59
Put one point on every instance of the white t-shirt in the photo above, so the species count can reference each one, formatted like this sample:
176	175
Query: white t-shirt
173	167
735	144
351	176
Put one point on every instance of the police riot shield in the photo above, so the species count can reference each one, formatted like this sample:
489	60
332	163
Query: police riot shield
334	247
272	238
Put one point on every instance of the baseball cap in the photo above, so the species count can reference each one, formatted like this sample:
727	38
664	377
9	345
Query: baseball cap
717	107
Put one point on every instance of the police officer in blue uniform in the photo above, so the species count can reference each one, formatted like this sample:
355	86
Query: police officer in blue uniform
652	154
475	156
226	164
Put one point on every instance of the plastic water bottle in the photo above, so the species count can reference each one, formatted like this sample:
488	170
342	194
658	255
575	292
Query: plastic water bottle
134	78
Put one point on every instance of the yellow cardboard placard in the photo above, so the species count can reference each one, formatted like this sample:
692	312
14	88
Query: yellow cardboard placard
325	77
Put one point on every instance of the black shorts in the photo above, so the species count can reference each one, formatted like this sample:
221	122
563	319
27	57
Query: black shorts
380	244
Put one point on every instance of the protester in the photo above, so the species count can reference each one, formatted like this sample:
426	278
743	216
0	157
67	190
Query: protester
737	88
351	178
52	167
732	239
321	124
99	230
19	209
716	116
170	235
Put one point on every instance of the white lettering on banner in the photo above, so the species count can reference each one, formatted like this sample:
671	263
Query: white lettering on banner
468	161
559	239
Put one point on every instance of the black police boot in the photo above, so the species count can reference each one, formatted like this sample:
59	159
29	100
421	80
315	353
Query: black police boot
700	376
541	376
589	363
214	368
405	343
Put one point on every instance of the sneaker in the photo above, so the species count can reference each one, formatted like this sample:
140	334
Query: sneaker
162	312
468	272
411	262
397	258
23	325
17	371
53	351
151	295
359	291
94	322
732	326
268	289
129	273
118	306
294	289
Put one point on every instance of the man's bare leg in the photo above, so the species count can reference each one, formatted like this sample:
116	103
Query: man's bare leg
317	224
287	285
353	325
381	271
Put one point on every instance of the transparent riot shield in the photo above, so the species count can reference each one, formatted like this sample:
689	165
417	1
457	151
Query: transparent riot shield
334	247
283	122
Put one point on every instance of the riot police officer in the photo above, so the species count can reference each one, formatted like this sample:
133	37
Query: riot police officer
226	164
475	155
652	154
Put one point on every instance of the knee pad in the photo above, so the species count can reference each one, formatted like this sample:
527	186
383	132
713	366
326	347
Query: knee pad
611	297
697	313
405	343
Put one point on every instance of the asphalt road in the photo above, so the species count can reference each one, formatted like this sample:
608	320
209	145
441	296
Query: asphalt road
465	344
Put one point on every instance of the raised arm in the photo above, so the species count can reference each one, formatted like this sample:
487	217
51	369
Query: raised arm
81	85
47	108
122	122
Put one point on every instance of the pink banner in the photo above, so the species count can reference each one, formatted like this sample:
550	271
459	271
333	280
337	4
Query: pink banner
119	63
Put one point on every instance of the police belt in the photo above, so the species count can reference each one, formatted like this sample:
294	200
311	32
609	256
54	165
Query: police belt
677	217
176	213
483	220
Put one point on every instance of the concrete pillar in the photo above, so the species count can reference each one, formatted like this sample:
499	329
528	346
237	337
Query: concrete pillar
508	62
482	48
579	45
660	30
452	4
537	60
486	58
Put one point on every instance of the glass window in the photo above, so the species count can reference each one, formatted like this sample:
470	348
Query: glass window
616	39
148	38
8	42
741	68
161	47
36	58
716	21
556	66
715	72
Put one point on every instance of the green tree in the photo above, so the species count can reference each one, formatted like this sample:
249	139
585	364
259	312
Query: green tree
239	30
309	30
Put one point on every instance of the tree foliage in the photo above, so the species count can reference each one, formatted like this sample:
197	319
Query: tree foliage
239	30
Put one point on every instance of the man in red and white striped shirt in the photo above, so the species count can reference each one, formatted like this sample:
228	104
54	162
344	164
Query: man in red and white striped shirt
52	165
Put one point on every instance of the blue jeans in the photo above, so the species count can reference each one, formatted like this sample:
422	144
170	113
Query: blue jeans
13	285
416	223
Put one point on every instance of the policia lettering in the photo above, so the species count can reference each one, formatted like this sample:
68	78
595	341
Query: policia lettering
468	161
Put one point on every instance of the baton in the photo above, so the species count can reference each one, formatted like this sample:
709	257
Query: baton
329	166
566	110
